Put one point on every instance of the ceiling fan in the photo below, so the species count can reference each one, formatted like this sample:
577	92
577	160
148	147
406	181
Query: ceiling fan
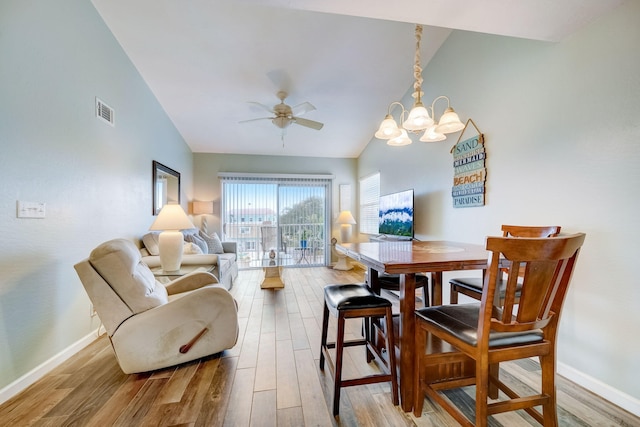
284	115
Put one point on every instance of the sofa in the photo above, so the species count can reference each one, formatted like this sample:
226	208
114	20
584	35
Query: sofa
199	249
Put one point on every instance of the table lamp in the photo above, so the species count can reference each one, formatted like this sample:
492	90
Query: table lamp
204	209
346	220
171	220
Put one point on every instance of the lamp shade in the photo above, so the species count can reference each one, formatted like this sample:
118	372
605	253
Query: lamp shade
403	139
346	217
202	208
418	119
430	135
449	122
388	128
171	217
170	220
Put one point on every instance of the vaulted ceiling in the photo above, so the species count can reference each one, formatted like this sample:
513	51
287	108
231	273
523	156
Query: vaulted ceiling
205	60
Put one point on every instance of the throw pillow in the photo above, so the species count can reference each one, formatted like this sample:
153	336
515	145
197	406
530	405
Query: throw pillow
191	249
197	240
213	242
150	241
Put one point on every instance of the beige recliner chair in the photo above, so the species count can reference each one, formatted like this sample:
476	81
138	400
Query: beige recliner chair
150	325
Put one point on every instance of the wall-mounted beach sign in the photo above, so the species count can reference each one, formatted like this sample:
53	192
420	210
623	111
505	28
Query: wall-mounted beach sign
469	169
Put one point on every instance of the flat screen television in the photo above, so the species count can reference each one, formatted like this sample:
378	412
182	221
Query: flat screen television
395	214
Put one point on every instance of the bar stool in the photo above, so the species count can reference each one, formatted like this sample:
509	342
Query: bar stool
354	301
391	282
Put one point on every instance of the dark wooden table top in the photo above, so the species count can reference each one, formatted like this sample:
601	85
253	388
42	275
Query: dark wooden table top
417	256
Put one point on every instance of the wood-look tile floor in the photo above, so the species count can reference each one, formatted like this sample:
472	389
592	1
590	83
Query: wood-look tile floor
270	378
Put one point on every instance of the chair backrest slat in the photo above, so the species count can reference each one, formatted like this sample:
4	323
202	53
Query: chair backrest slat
530	231
547	264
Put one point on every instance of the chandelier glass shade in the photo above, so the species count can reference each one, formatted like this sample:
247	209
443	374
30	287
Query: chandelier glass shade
401	140
388	128
431	135
419	118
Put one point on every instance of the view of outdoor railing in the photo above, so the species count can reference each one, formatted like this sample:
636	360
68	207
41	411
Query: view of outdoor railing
291	243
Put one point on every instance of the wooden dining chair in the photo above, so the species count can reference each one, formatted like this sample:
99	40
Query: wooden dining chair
456	344
472	286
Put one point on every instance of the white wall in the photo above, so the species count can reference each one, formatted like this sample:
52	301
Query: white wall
95	179
562	139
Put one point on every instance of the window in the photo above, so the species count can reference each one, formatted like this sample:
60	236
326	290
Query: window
369	195
277	212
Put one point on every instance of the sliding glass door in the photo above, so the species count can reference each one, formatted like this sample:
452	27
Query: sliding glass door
277	219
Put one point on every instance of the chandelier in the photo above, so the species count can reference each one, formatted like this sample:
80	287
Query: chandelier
418	118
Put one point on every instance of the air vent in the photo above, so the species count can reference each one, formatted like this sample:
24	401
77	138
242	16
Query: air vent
104	112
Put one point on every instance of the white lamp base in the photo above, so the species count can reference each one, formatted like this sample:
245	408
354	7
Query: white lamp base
343	263
170	244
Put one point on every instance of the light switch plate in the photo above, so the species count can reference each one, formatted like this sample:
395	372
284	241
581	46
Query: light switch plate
31	209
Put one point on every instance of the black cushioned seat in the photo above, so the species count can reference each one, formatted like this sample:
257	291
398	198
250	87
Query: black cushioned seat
357	301
461	320
352	297
391	282
475	284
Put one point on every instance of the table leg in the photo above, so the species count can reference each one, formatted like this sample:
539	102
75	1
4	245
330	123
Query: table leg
436	288
407	332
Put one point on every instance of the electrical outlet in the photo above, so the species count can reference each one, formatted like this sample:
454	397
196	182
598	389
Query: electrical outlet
31	209
92	311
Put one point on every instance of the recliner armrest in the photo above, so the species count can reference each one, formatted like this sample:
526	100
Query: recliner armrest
190	282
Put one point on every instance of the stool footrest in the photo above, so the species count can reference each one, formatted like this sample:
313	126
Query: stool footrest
352	343
369	379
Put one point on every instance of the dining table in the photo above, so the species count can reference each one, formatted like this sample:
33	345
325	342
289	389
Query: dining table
407	258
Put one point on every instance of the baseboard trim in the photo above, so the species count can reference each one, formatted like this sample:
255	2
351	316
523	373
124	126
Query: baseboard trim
615	396
44	368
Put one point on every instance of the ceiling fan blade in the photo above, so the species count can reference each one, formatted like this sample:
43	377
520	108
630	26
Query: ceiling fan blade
300	109
254	120
264	107
308	123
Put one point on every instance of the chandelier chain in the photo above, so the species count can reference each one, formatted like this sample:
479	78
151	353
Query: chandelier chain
417	69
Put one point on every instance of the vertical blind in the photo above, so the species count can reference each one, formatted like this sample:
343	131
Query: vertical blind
369	187
263	198
296	204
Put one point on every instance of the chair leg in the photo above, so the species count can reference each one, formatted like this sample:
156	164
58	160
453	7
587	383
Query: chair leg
482	385
391	352
368	331
494	371
418	394
425	296
549	411
453	299
323	338
337	380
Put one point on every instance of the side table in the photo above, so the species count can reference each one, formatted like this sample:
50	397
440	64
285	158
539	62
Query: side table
272	273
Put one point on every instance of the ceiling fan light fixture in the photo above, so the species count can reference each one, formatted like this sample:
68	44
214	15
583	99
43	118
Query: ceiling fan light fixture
281	122
401	140
449	122
388	129
283	114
